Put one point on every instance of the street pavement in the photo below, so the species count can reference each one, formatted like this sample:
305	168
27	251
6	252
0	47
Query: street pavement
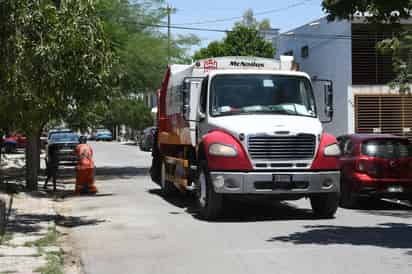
130	228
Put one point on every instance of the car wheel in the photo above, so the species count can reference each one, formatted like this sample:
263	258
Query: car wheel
167	187
325	205
348	199
209	202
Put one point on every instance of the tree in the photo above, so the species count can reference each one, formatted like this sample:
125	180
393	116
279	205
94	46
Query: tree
127	111
243	40
141	48
375	10
59	62
382	12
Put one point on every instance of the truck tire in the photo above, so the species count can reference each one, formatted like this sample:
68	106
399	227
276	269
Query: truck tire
325	205
155	170
348	199
209	202
167	187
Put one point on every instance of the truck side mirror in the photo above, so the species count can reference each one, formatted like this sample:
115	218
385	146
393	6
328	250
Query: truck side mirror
328	88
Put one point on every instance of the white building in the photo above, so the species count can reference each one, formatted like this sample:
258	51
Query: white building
345	52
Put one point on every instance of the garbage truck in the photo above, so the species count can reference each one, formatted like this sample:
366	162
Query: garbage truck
244	127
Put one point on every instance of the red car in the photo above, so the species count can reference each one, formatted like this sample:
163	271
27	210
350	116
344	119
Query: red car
13	142
375	166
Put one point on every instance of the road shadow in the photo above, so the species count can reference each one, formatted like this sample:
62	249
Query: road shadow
130	144
27	223
32	223
386	208
75	221
386	235
112	173
107	172
241	210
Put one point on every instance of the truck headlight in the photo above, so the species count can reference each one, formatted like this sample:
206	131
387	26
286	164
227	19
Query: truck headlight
332	151
222	150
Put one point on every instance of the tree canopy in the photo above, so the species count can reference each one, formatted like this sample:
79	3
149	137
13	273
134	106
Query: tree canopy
243	40
382	12
58	62
375	10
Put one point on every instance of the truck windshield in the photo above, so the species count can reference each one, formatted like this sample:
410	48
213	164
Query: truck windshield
249	93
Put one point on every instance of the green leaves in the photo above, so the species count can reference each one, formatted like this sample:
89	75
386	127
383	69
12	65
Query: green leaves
376	10
62	59
243	40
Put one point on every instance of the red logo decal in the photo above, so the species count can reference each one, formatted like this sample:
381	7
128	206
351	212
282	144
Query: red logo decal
210	65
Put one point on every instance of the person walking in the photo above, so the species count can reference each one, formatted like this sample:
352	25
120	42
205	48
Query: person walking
85	169
52	166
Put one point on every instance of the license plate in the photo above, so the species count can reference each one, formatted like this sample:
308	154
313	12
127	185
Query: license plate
282	178
283	181
395	189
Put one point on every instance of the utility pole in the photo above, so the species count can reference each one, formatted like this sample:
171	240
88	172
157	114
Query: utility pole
169	11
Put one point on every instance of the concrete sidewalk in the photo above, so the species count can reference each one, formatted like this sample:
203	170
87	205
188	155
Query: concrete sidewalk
32	240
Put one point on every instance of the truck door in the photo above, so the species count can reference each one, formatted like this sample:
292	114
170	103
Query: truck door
191	105
201	114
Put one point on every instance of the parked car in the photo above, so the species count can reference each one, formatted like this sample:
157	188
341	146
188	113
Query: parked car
13	142
66	143
56	131
146	139
103	135
375	166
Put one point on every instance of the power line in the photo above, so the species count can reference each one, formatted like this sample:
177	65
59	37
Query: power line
289	35
181	28
301	3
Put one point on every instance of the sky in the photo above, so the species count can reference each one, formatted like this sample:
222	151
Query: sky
283	14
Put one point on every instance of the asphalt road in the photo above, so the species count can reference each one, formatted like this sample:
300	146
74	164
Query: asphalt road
129	228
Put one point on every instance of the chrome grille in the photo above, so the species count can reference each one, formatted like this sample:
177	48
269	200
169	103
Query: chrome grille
298	147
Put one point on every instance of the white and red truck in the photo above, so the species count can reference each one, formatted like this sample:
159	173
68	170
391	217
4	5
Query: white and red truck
244	126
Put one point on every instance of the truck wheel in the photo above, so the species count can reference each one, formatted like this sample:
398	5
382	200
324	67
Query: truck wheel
155	170
209	202
325	205
348	199
167	187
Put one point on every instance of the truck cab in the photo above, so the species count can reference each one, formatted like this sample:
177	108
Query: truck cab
245	126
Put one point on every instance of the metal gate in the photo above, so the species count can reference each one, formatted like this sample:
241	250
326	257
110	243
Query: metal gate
384	114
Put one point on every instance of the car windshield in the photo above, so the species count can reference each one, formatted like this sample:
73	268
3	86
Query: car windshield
64	137
242	94
387	148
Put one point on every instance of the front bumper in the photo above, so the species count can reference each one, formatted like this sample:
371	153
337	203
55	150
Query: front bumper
366	186
264	183
67	156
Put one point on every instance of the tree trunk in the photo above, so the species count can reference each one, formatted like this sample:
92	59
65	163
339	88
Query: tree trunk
32	160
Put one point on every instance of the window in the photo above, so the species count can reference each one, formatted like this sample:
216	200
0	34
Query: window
266	94
345	145
387	148
348	148
288	53
305	52
203	95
